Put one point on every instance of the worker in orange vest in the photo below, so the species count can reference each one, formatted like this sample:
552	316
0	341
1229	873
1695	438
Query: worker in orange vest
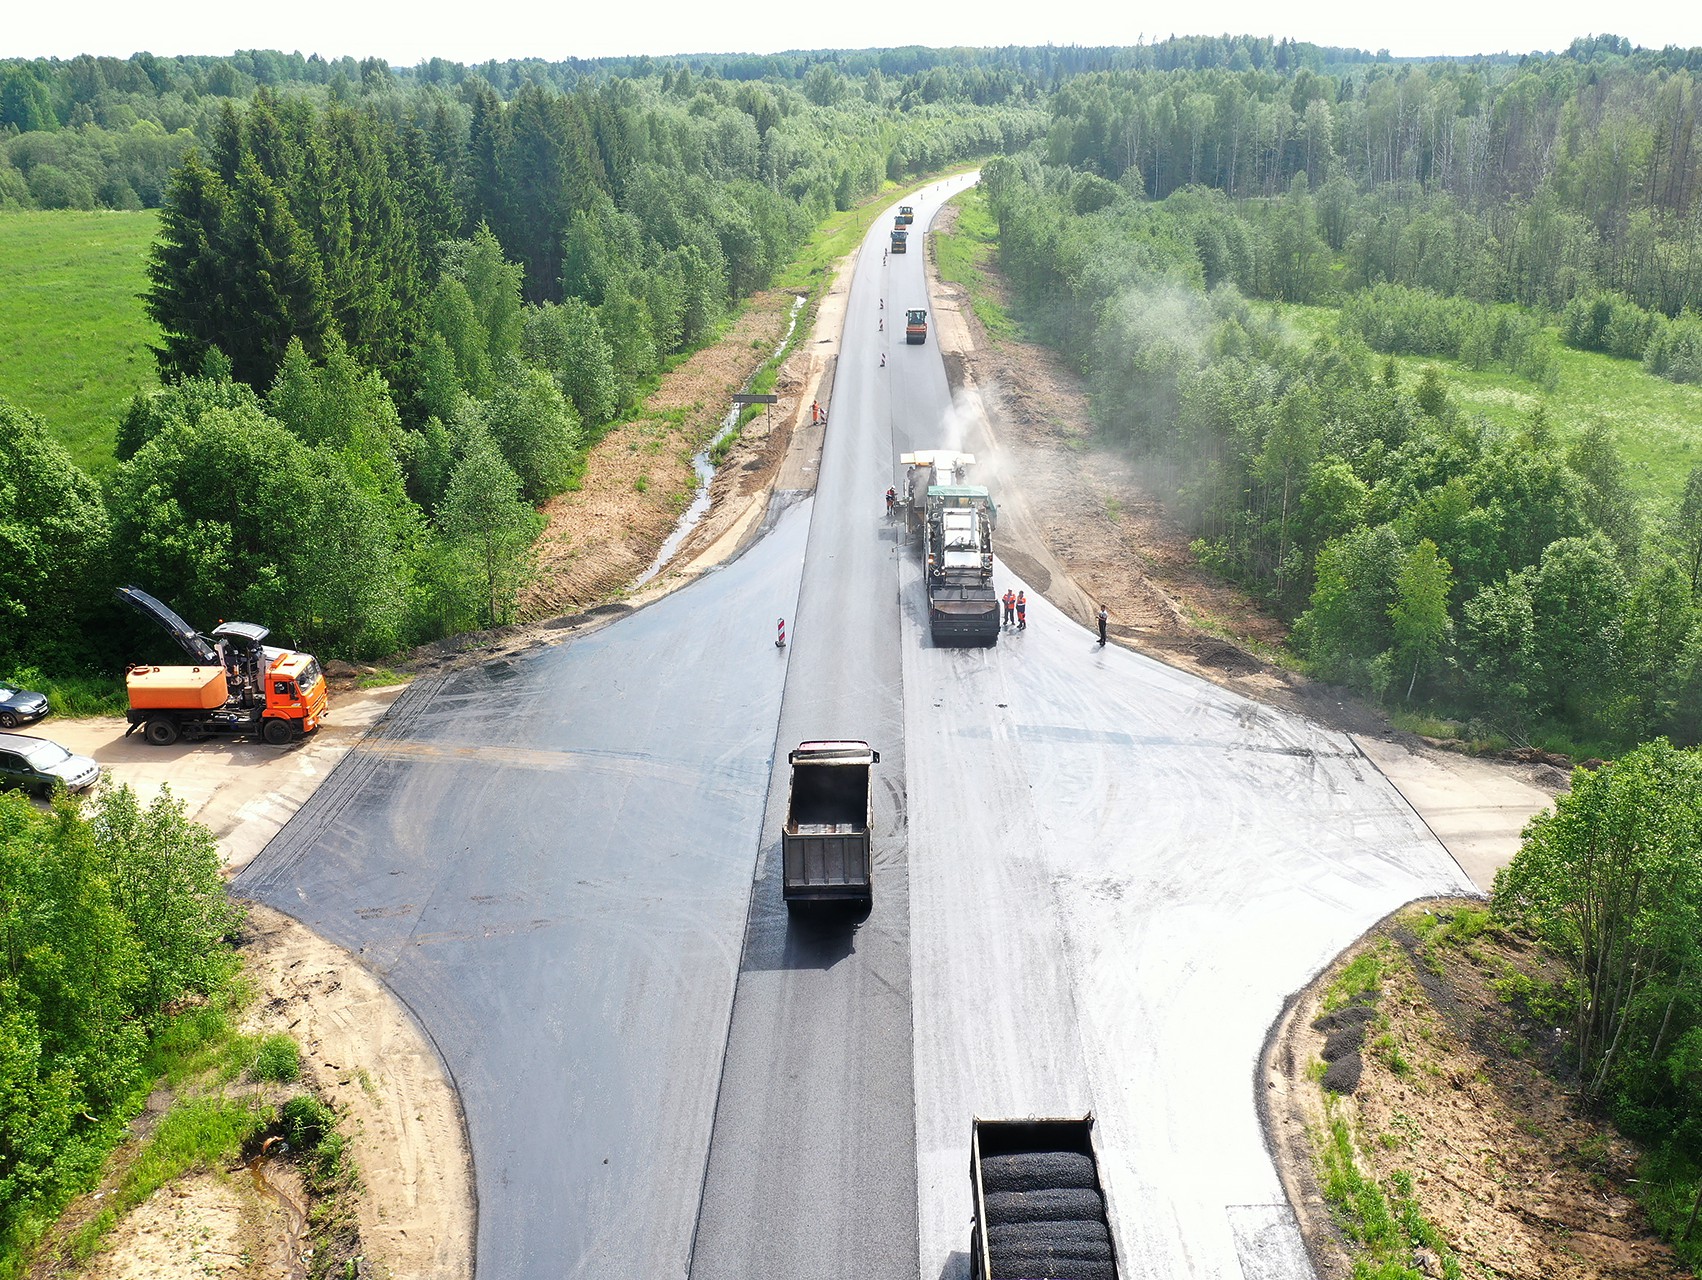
1010	606
1021	611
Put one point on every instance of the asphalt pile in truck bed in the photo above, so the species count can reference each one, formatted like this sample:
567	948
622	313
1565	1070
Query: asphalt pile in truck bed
1045	1218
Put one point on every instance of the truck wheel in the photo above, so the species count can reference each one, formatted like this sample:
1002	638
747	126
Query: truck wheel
277	732
160	731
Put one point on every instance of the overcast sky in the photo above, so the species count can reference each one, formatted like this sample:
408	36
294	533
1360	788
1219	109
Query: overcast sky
474	32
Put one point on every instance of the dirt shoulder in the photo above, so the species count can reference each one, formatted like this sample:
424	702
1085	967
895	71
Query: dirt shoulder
1446	1099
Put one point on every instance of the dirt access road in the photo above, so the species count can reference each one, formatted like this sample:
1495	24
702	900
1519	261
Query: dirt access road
1079	526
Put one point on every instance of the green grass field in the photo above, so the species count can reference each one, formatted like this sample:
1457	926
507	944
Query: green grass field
1657	424
73	335
966	251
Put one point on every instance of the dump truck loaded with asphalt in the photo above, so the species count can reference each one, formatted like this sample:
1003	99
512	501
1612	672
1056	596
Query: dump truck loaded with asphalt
1039	1207
236	684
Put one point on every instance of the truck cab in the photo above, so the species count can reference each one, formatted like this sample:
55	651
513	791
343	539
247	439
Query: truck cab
295	691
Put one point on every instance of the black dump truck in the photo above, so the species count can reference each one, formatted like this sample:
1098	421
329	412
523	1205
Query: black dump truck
825	847
1039	1206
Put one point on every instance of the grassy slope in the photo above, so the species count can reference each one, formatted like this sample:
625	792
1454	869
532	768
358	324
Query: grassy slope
73	336
1657	424
963	254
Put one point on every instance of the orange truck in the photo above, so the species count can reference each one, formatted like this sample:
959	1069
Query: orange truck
235	685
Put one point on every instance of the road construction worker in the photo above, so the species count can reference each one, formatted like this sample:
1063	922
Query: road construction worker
891	501
1021	610
1010	607
1104	619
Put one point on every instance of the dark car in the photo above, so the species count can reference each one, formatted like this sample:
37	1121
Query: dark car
35	764
20	706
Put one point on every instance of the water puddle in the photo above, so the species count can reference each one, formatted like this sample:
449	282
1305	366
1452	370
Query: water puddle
705	469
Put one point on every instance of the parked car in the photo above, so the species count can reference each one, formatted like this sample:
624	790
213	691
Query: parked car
20	706
35	764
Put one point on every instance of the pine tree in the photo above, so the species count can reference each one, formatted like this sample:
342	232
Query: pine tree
188	269
278	286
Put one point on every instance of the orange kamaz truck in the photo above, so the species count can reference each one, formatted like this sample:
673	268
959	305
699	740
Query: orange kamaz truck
235	684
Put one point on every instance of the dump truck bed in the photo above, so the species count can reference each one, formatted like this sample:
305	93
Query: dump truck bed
825	846
1039	1206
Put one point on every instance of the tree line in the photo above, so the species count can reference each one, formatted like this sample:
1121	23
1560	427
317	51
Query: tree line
1526	182
1610	881
1421	554
391	329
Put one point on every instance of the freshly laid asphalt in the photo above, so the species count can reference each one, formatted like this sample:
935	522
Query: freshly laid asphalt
548	861
1096	881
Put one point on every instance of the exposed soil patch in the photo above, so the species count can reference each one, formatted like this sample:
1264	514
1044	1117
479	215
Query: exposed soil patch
218	1224
639	478
362	1053
1454	1091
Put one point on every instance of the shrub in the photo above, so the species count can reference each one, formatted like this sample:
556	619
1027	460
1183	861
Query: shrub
278	1058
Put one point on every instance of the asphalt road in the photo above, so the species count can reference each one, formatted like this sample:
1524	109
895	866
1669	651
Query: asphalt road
548	860
1110	920
1096	880
813	1160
